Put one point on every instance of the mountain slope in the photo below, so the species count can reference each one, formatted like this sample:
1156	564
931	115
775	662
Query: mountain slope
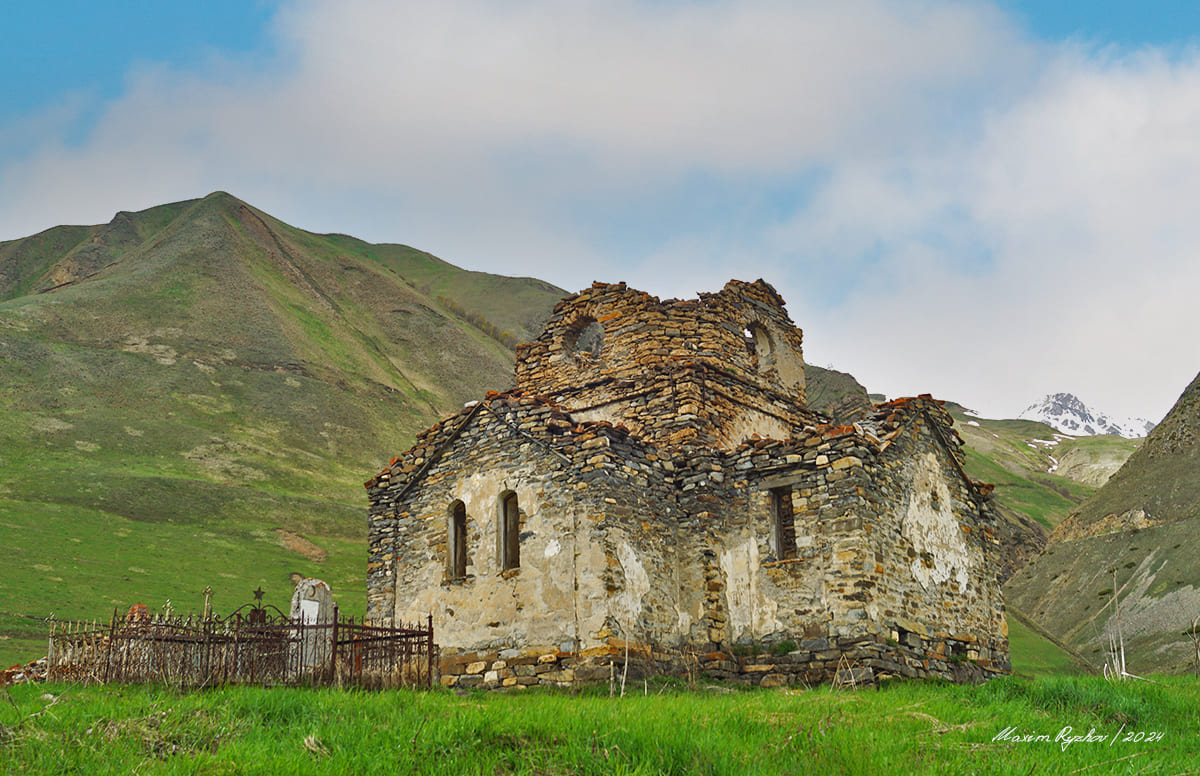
1136	540
1066	413
836	394
1160	478
203	371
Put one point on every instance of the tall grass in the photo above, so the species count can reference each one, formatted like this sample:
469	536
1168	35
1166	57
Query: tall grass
902	728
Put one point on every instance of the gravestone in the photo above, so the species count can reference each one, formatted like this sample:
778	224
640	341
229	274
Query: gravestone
312	605
312	601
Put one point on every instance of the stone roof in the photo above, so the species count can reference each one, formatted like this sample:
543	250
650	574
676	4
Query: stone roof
576	443
537	418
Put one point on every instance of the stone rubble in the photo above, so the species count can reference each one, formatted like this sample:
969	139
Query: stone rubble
33	671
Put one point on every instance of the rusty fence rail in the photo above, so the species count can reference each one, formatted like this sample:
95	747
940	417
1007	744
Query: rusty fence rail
244	649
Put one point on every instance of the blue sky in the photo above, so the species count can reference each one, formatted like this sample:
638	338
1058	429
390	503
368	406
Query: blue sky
55	48
1155	22
986	201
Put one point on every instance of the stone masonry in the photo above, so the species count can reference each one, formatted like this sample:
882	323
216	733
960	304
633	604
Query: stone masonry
654	492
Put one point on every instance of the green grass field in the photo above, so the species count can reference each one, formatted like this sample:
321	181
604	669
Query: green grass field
1035	655
75	563
900	728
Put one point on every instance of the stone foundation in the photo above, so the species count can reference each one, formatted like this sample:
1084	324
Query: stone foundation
812	662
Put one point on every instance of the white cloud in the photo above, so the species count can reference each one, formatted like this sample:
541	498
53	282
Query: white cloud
1077	197
963	210
759	85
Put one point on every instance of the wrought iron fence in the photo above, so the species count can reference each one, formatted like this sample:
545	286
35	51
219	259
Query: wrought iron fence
254	647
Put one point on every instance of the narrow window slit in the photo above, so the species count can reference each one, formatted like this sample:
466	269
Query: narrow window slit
510	532
457	543
783	528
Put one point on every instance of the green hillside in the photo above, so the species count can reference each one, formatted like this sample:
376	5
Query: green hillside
1160	478
192	395
1037	653
1035	491
1132	544
1025	459
1093	460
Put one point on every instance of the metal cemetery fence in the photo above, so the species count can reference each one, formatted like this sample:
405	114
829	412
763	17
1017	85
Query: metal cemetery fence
250	648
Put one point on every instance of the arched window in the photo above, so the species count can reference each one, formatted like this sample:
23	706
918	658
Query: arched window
584	339
510	531
760	346
783	528
456	543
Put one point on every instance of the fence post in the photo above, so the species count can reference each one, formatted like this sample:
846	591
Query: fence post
334	647
50	657
112	630
429	650
209	636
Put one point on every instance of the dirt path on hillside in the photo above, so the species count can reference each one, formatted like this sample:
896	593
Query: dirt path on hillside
297	543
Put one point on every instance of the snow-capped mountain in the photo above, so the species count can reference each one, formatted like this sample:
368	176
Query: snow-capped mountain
1069	415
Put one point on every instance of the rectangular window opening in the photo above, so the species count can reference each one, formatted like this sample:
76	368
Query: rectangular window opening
510	533
458	541
783	528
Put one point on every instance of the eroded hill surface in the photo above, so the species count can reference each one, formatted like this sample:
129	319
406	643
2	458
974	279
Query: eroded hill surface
1133	542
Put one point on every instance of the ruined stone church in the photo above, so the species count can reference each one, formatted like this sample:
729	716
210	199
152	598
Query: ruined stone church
654	491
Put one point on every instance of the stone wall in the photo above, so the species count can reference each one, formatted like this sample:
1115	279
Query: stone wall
676	499
809	661
673	551
936	576
708	371
890	539
587	494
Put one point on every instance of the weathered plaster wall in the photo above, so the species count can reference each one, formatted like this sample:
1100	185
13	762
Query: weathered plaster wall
491	606
596	534
646	470
939	583
891	539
